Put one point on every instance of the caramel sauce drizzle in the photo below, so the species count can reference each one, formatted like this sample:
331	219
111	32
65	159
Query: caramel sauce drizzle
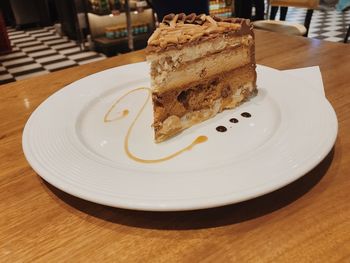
106	119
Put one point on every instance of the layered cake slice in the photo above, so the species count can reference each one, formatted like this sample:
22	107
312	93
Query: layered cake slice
200	65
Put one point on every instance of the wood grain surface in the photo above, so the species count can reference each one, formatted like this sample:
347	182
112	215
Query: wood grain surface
306	221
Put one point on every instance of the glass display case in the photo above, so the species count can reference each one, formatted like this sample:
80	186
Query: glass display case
118	26
220	8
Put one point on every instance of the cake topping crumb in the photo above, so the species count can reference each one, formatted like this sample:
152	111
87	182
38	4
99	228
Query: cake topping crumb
179	29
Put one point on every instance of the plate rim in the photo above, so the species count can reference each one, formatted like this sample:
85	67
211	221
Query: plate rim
146	206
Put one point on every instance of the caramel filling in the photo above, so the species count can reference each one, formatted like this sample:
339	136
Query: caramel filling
198	95
178	109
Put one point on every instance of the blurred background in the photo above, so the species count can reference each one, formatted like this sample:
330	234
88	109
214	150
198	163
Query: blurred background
41	36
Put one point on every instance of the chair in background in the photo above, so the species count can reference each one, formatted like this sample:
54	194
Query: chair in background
347	35
283	12
287	27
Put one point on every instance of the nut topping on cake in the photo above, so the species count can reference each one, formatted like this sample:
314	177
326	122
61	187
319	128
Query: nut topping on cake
179	29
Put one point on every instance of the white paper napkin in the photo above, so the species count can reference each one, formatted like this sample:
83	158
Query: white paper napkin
311	75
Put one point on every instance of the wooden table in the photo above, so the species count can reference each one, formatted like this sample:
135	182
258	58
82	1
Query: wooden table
306	221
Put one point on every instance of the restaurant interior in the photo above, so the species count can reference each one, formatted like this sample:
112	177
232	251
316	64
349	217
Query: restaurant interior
175	131
44	36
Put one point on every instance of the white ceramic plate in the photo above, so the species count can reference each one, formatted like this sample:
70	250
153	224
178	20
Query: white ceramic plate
67	143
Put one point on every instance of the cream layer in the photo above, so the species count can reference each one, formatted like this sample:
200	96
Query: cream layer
172	59
203	68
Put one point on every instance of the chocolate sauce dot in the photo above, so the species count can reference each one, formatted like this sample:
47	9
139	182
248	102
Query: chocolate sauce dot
246	115
233	120
221	128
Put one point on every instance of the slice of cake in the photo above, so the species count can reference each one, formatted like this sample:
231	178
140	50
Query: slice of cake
200	65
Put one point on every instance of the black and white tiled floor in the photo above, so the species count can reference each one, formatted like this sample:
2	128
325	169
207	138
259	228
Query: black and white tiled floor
38	52
330	25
